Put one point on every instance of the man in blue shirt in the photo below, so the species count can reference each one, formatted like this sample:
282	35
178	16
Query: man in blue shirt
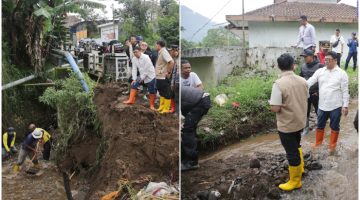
28	148
352	44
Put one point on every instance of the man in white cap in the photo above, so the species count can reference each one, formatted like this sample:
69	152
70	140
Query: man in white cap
28	148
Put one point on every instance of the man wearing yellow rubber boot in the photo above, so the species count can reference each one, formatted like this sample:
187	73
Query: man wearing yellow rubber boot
29	148
333	98
289	102
142	63
163	68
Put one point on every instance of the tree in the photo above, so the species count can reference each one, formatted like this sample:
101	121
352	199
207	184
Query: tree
32	26
134	15
220	37
169	22
185	44
150	19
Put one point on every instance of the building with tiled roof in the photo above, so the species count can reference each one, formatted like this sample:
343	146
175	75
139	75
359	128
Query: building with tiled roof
277	25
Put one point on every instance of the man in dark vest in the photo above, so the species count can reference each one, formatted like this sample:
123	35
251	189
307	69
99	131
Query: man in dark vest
195	103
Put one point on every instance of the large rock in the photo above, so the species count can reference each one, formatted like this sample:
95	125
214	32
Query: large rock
254	163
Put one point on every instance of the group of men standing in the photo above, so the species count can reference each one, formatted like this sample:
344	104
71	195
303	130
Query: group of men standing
323	86
307	36
158	73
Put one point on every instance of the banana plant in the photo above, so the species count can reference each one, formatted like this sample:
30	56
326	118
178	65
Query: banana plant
32	26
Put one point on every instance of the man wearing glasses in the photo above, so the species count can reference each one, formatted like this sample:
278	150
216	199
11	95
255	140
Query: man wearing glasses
146	50
333	98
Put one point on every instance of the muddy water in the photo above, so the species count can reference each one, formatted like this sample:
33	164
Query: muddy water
46	184
336	181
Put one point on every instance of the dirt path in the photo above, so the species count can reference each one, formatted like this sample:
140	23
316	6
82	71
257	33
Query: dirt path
47	184
337	178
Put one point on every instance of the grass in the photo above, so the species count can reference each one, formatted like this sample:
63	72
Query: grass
252	91
353	82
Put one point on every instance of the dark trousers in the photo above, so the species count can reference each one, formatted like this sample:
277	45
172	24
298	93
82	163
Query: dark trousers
47	149
151	86
334	115
291	144
176	97
188	132
312	100
164	88
354	56
338	58
356	121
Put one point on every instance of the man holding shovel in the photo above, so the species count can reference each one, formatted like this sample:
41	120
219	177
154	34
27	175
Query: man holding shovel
29	148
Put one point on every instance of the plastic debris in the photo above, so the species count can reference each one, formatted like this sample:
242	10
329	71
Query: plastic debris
221	99
160	189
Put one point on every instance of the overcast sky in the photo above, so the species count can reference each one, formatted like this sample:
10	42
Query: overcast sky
232	7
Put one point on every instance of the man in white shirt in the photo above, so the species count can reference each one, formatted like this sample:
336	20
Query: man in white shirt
188	78
333	98
143	64
337	44
306	34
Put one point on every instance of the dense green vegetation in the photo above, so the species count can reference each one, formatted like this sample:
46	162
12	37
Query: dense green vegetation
76	111
150	19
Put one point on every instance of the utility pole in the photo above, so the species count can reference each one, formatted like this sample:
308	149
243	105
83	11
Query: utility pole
113	14
243	24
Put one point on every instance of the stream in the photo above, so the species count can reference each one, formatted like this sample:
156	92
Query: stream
338	178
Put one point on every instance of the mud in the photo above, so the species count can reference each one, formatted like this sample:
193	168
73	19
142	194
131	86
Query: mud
46	184
327	176
81	156
253	176
139	143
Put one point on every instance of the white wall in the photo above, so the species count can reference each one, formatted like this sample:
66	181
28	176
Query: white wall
285	34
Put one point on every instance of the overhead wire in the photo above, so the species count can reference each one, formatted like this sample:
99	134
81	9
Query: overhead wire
210	19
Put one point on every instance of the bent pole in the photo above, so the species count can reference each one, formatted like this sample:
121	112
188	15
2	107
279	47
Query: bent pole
72	63
17	82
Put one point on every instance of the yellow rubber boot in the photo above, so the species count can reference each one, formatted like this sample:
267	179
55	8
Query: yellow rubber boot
16	168
167	104
161	106
302	164
36	166
295	179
